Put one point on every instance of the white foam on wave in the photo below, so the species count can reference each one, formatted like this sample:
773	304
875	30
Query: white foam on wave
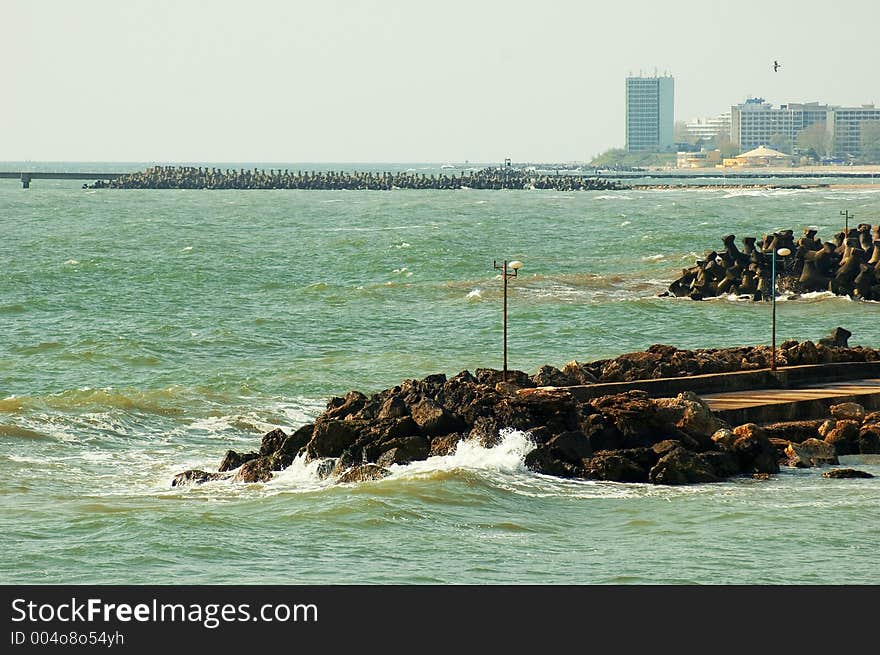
507	457
625	223
187	249
475	293
71	262
653	258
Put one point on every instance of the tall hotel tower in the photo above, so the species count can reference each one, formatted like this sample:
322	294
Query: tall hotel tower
649	113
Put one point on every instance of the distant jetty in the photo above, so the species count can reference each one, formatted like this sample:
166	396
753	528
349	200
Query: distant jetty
192	177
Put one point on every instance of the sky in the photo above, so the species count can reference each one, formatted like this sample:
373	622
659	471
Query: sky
400	81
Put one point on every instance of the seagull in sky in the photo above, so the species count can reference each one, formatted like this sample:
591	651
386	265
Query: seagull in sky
775	66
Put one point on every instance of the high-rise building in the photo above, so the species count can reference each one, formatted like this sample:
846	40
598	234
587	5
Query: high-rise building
649	113
757	123
845	128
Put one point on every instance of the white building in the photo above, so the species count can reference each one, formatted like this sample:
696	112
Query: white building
649	113
845	128
706	129
756	122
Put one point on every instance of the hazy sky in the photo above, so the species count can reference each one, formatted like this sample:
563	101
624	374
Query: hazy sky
395	80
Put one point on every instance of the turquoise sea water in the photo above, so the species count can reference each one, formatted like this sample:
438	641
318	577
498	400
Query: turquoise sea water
146	332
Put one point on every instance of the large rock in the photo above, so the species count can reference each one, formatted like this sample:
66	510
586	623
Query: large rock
601	432
543	460
753	450
811	452
331	437
690	414
612	466
339	408
680	466
272	441
393	407
869	439
232	460
571	447
256	470
433	419
446	445
848	412
363	473
846	473
844	437
795	431
290	447
403	451
194	477
635	415
839	338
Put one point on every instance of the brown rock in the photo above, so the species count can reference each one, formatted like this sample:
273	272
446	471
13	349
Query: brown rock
272	441
339	408
256	470
393	407
811	452
578	373
680	466
571	447
232	460
194	477
613	467
848	412
846	473
869	439
690	414
446	444
761	476
543	460
403	451
433	419
795	431
753	450
331	437
363	473
844	437
826	427
873	417
724	438
291	447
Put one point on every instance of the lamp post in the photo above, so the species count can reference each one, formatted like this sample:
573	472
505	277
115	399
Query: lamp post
846	216
782	252
514	267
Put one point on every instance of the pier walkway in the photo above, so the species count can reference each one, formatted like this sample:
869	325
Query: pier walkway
763	396
792	404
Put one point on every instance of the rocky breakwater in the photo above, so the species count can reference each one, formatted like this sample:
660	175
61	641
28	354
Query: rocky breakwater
847	265
626	437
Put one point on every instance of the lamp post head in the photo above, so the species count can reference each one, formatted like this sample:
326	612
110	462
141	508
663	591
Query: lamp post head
783	252
515	265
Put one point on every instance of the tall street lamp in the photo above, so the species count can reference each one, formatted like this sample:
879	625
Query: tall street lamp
782	252
514	267
846	216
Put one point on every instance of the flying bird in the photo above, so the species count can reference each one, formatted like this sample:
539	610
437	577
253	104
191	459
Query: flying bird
775	66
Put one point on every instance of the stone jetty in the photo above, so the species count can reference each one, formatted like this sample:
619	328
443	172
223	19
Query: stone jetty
190	177
846	265
624	437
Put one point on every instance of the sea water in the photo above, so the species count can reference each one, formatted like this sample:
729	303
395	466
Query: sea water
147	332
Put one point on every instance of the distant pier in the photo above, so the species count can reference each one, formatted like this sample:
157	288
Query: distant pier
27	176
